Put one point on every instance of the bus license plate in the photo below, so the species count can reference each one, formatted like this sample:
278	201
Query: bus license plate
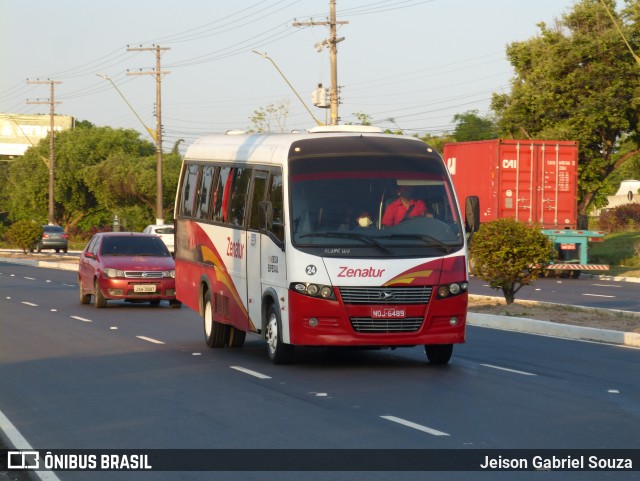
386	312
144	288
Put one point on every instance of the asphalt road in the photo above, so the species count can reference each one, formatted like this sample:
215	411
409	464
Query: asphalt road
139	377
584	291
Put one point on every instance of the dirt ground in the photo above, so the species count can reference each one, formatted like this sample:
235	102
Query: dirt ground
563	314
579	316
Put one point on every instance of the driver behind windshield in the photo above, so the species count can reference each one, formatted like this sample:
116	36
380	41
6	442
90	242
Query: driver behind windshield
404	207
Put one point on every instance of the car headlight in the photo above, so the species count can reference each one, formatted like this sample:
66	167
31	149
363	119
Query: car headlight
114	273
171	274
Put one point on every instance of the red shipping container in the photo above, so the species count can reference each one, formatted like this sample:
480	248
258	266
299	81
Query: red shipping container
533	181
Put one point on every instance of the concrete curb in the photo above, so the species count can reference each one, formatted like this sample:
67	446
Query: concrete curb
516	324
68	266
553	329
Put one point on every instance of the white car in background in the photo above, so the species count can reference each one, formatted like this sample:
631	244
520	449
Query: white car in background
164	231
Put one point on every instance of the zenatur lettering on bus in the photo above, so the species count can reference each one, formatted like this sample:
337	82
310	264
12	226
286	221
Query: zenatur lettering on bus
235	249
346	271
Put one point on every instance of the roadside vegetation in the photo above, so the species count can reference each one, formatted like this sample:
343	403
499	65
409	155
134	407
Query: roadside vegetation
561	89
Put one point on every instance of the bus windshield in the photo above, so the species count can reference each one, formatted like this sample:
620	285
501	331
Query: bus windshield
373	205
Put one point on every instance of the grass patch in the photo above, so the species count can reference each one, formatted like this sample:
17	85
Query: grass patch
621	249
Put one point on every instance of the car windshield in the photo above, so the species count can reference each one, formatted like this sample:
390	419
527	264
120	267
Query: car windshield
374	205
134	246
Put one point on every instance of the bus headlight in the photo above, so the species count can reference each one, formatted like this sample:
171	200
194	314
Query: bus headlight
453	289
313	290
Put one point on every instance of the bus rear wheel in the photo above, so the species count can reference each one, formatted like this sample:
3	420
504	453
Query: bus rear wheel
438	353
279	352
215	333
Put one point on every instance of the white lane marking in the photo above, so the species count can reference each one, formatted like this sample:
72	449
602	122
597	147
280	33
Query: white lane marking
613	391
19	442
605	285
113	328
509	370
30	278
250	372
29	304
81	319
419	427
597	295
149	339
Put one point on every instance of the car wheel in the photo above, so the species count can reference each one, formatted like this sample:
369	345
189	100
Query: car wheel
438	353
175	304
236	337
39	249
98	299
84	298
64	250
155	302
215	333
279	352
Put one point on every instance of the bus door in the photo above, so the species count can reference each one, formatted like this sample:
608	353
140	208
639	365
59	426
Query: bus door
265	255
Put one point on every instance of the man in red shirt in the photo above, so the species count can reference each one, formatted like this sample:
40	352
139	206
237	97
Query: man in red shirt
404	207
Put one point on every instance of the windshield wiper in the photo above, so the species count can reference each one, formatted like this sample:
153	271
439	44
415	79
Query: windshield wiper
426	238
350	235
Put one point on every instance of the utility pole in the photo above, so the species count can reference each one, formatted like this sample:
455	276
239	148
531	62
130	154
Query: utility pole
52	112
332	43
157	73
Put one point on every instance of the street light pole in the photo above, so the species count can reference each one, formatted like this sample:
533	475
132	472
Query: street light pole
264	55
151	131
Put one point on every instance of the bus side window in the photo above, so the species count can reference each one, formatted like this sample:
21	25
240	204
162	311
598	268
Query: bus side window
189	190
238	196
277	200
257	195
204	197
218	195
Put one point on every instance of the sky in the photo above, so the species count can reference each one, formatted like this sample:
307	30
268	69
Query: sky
407	64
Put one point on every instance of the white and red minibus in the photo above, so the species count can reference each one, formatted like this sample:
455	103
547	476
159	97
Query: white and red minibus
282	235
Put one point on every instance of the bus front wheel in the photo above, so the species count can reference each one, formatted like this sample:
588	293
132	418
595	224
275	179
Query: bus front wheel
438	353
215	333
279	352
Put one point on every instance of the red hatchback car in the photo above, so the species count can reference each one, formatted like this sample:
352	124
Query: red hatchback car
129	266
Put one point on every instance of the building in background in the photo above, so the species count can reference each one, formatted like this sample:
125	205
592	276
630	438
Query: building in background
18	132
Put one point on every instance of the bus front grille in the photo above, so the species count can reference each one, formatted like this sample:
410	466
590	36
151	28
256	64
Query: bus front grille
386	295
384	326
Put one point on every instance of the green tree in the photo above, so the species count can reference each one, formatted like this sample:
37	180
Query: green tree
125	184
577	80
363	119
508	255
272	116
470	126
77	152
24	234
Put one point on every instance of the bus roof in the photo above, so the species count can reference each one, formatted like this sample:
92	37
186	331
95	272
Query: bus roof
261	147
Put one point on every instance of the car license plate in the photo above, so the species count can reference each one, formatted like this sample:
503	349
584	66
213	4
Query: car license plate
388	312
144	288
